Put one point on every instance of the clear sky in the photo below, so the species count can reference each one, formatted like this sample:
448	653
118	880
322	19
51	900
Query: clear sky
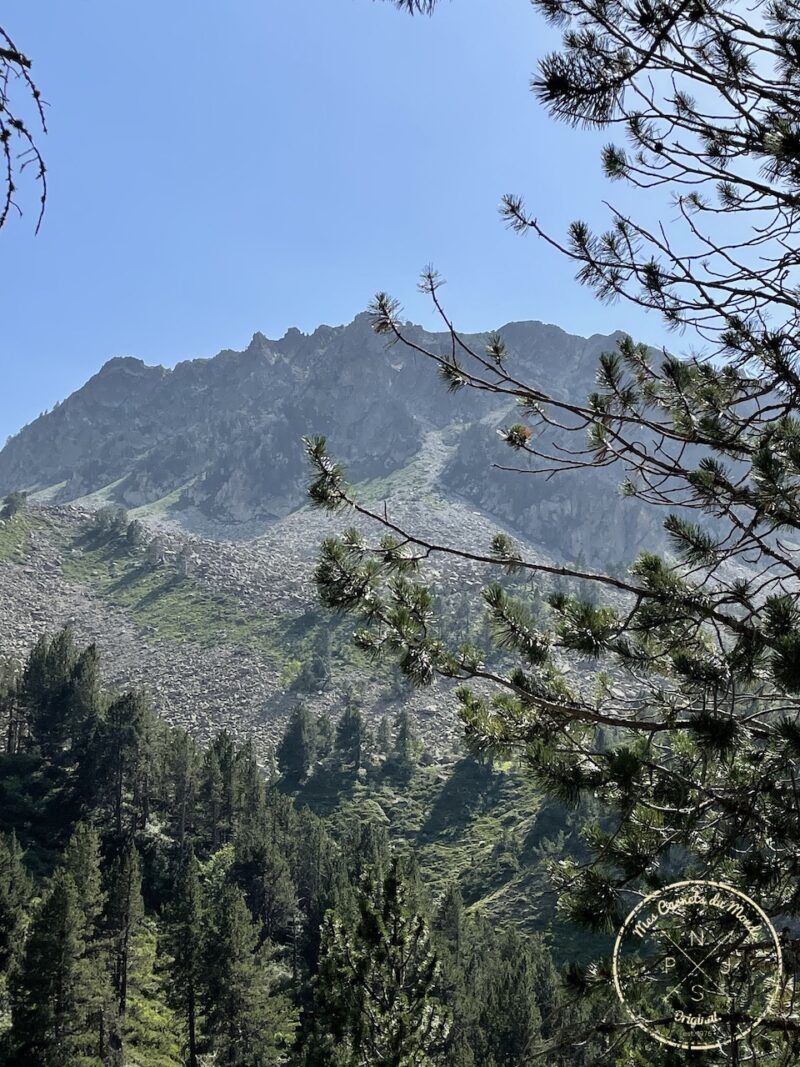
221	168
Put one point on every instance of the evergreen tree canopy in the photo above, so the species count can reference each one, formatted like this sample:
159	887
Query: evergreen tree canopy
404	750
49	1021
14	892
184	944
670	693
378	984
224	918
297	750
250	1023
350	735
13	504
125	913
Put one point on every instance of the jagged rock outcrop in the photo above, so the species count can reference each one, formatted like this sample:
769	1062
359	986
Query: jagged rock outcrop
221	437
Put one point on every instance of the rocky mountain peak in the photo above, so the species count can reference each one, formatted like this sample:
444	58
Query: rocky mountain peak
220	438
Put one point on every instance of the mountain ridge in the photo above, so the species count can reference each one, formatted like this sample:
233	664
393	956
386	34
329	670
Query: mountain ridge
219	438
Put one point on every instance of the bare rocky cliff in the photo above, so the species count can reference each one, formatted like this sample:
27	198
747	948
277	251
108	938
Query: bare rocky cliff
216	443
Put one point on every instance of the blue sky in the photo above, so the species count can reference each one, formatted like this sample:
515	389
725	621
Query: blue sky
217	169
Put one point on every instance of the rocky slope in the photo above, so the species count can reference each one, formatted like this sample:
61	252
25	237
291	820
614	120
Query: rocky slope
209	454
227	644
217	442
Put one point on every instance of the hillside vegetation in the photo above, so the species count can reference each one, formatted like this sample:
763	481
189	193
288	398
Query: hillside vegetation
161	902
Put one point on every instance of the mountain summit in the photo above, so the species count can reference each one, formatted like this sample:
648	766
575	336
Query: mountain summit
217	441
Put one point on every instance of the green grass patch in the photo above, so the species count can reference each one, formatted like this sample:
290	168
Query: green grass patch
15	537
176	608
40	496
163	506
491	829
159	599
105	494
488	828
412	478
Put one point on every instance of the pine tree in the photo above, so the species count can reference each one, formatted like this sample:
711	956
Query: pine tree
13	504
123	743
135	534
320	879
509	1024
125	913
250	789
183	942
110	522
47	1023
297	751
44	692
83	695
85	990
15	890
224	749
183	775
150	1033
326	735
376	999
84	704
350	732
263	872
655	692
404	750
83	862
11	718
212	793
449	921
185	561
249	1023
383	737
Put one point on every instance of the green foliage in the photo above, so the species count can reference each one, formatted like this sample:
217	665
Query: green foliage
196	912
150	1034
124	919
383	736
182	943
50	1022
155	596
13	504
249	1023
664	697
14	898
406	748
135	534
517	436
110	523
377	994
174	604
351	736
15	536
297	750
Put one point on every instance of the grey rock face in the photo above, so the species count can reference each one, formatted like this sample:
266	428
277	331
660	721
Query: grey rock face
222	437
